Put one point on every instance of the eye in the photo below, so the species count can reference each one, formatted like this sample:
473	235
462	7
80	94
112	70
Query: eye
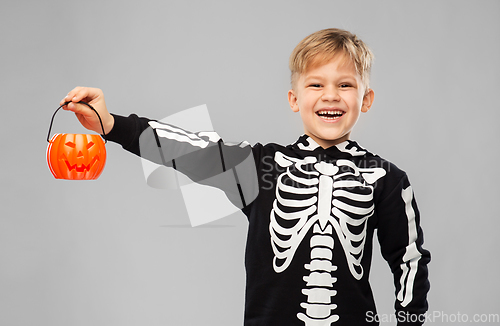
70	144
90	144
315	85
345	85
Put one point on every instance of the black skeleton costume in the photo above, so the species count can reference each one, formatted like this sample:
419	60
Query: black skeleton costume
311	222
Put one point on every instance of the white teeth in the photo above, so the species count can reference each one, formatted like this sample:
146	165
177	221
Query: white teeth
330	114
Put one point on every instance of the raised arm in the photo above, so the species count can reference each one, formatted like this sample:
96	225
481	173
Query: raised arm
201	156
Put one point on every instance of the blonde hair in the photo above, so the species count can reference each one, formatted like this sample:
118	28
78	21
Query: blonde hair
321	46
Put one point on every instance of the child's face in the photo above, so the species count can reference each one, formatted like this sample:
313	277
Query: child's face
330	98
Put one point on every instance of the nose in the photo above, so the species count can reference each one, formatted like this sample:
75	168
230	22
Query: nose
330	94
80	154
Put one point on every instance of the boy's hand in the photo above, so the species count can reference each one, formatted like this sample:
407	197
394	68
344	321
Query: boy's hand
85	115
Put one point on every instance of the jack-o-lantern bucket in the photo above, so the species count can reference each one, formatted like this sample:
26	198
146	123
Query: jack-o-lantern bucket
76	156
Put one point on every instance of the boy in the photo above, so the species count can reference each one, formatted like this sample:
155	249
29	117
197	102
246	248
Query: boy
310	234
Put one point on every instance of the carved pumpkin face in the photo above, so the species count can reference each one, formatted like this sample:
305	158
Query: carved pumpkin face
76	156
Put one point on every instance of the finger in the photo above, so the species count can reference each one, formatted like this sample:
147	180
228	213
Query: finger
79	109
78	94
82	119
82	93
64	104
64	100
69	96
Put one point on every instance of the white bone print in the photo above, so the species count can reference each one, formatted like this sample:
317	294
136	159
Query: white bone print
325	197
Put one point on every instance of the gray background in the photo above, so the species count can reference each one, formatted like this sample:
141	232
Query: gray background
116	252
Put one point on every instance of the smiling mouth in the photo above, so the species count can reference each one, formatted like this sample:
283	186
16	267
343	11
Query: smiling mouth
330	114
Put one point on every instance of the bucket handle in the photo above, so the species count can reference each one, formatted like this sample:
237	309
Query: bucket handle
81	102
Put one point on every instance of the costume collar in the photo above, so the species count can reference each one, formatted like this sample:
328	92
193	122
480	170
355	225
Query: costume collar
349	147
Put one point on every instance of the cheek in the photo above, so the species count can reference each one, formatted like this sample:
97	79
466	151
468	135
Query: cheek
308	102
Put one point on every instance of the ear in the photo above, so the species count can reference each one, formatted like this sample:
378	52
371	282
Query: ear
292	99
368	100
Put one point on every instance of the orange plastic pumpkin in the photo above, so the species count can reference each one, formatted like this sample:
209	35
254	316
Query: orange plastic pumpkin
76	156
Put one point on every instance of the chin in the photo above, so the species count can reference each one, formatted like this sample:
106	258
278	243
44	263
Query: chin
336	138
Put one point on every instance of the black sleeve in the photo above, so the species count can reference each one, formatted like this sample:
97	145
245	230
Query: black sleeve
401	239
202	156
127	130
